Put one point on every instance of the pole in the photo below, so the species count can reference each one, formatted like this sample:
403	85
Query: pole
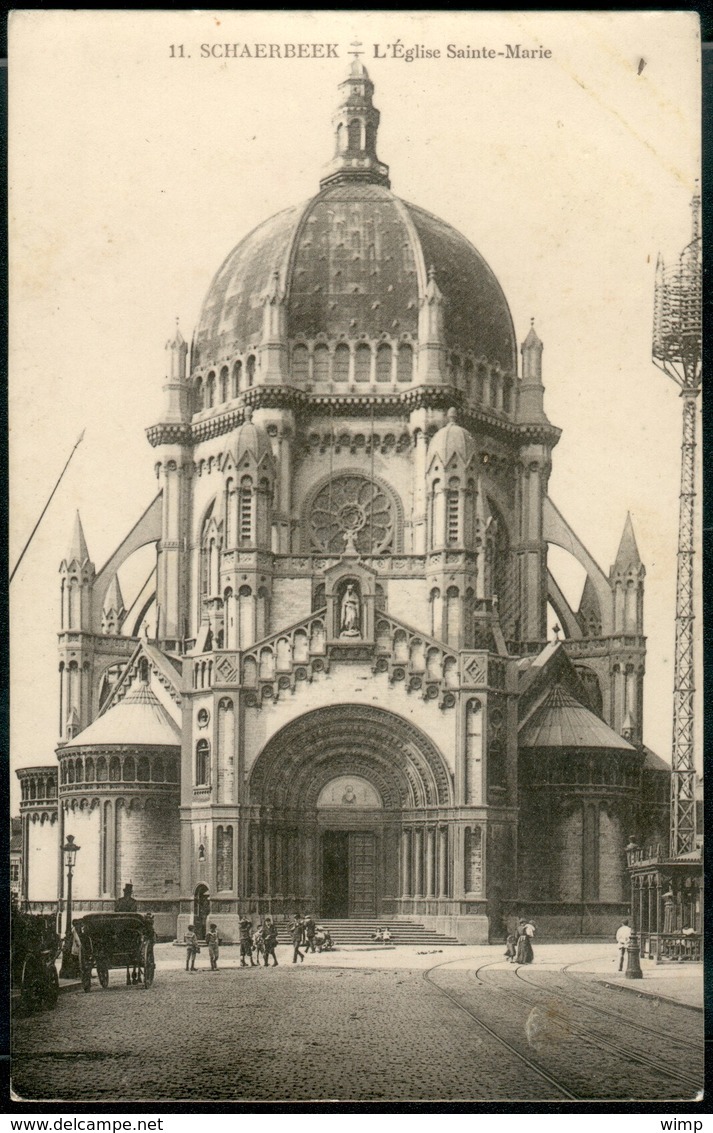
44	509
69	967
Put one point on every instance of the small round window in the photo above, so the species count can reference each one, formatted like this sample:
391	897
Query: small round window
203	717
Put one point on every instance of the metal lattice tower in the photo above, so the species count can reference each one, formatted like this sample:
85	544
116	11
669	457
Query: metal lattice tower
677	351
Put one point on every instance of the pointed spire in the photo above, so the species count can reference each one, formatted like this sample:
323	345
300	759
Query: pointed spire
176	339
531	351
114	599
433	293
356	123
628	554
73	724
78	548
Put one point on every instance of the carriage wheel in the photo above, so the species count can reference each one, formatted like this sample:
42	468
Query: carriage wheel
148	964
103	973
32	985
52	987
86	979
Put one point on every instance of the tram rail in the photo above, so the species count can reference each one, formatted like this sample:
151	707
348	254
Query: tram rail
663	1070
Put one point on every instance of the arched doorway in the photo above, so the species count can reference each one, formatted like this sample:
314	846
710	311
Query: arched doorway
328	794
201	910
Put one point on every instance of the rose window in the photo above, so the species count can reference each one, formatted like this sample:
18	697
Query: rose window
352	511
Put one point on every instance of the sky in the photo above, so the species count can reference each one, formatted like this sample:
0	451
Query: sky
135	169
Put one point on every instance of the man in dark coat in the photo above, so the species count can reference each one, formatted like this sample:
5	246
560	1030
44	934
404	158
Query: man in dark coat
246	942
269	940
127	903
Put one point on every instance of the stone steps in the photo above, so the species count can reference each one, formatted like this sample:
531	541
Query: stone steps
353	932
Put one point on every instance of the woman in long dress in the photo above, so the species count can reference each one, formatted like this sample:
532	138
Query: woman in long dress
525	933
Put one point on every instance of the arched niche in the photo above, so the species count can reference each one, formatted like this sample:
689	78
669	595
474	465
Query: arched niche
350	595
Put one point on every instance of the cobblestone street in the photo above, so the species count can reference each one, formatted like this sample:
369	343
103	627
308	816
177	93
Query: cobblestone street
431	1030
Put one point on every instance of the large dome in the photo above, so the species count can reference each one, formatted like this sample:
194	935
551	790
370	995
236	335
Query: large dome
354	262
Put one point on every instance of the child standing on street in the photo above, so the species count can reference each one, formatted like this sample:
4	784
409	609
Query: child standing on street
191	942
211	939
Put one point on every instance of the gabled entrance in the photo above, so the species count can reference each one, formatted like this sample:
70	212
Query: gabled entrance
348	874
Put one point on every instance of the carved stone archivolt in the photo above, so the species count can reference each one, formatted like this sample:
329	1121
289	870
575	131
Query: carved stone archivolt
400	761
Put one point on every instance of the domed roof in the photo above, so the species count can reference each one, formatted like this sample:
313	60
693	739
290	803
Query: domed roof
451	439
252	439
139	720
354	261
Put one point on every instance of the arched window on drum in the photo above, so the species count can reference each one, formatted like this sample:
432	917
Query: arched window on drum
300	363
383	362
404	370
341	363
320	362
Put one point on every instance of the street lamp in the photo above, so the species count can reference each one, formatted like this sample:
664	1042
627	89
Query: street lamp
633	955
70	963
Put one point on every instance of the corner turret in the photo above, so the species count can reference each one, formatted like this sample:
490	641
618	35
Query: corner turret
530	409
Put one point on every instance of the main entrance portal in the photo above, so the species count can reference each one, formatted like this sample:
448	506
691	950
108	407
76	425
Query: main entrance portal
328	795
348	874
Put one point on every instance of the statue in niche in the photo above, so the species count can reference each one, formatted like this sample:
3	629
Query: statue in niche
349	796
350	613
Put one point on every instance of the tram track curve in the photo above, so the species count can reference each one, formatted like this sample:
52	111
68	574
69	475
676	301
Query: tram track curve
623	1052
533	1066
619	1016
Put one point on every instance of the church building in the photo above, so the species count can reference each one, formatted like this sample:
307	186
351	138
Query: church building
337	694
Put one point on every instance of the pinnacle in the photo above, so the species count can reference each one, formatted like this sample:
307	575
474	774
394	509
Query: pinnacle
176	338
78	548
114	599
628	553
533	339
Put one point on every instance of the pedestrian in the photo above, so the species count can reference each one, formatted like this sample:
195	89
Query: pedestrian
525	933
213	942
192	949
510	949
310	930
127	903
297	939
269	941
246	942
623	936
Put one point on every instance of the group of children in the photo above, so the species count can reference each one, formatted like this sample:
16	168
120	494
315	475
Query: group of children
262	943
382	935
193	948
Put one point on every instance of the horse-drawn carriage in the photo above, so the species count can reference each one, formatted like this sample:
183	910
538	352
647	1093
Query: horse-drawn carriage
35	947
115	940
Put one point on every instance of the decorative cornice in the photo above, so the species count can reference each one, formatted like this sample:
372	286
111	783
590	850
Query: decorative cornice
349	404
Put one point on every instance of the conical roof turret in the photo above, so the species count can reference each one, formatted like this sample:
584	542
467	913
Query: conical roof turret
627	557
78	552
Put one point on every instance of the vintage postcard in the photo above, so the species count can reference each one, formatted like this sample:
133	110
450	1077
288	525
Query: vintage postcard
355	361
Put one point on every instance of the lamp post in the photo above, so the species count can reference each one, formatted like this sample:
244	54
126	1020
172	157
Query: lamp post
70	965
633	957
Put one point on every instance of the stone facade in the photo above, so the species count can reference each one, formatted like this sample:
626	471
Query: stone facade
351	605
